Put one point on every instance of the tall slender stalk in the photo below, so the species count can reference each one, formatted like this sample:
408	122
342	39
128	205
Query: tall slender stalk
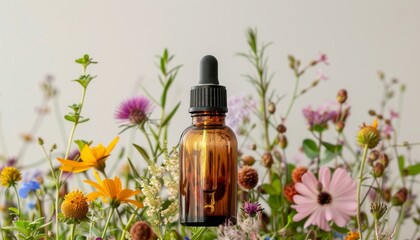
359	186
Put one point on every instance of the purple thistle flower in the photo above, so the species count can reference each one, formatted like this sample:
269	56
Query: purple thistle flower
252	208
134	111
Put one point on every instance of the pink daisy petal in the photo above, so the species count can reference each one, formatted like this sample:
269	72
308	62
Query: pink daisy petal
324	178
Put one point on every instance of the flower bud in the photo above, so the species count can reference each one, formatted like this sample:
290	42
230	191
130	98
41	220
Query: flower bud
378	170
386	194
282	141
141	230
369	135
342	96
267	159
400	197
339	126
248	177
271	108
278	156
253	147
373	156
248	160
372	112
281	128
384	159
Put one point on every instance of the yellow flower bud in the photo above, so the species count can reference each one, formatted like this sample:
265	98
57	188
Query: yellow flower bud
369	135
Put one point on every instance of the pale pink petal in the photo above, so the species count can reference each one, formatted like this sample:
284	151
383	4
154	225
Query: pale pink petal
304	190
299	199
311	182
324	178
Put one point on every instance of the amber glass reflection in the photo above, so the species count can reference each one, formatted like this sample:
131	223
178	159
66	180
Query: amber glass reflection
208	172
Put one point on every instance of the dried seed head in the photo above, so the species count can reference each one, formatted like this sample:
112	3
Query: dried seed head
248	177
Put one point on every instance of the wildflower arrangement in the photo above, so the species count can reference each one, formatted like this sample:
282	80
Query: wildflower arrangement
342	188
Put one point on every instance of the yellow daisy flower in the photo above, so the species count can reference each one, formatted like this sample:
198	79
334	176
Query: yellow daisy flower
111	189
75	205
91	157
9	176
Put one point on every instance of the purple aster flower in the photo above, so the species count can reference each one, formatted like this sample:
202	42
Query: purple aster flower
240	109
251	208
320	116
134	111
28	187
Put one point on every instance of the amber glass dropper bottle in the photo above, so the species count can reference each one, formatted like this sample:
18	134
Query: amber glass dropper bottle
208	155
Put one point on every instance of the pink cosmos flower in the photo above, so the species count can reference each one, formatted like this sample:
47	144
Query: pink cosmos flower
325	199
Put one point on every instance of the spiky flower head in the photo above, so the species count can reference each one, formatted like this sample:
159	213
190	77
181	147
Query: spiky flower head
289	192
297	173
134	111
369	135
252	209
248	177
9	176
75	205
141	231
378	209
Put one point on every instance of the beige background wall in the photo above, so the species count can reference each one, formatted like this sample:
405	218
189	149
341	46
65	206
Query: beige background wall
44	37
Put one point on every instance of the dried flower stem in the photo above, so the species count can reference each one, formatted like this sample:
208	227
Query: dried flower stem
359	186
294	96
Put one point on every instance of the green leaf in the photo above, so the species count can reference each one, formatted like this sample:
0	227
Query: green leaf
198	234
14	210
71	117
310	148
268	188
274	202
143	152
413	169
333	148
401	163
170	115
136	174
81	144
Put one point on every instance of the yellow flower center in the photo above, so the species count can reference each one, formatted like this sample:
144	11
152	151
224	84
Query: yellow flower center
9	176
75	205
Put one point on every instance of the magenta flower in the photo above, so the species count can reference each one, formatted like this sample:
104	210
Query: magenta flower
251	208
134	111
326	199
320	116
323	58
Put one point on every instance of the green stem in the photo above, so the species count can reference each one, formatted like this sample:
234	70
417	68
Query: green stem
293	98
399	222
73	230
18	199
128	224
359	186
107	222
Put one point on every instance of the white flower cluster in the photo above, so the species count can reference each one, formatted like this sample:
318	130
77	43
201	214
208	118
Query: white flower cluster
247	228
168	174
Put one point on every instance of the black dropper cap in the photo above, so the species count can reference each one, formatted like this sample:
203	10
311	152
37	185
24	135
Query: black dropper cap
208	95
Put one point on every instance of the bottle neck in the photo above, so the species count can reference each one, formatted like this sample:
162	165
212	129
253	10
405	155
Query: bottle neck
208	118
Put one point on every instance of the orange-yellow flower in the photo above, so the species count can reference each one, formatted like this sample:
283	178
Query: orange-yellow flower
75	205
111	190
90	157
369	135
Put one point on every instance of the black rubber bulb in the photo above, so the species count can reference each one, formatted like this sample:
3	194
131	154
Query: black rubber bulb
209	70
